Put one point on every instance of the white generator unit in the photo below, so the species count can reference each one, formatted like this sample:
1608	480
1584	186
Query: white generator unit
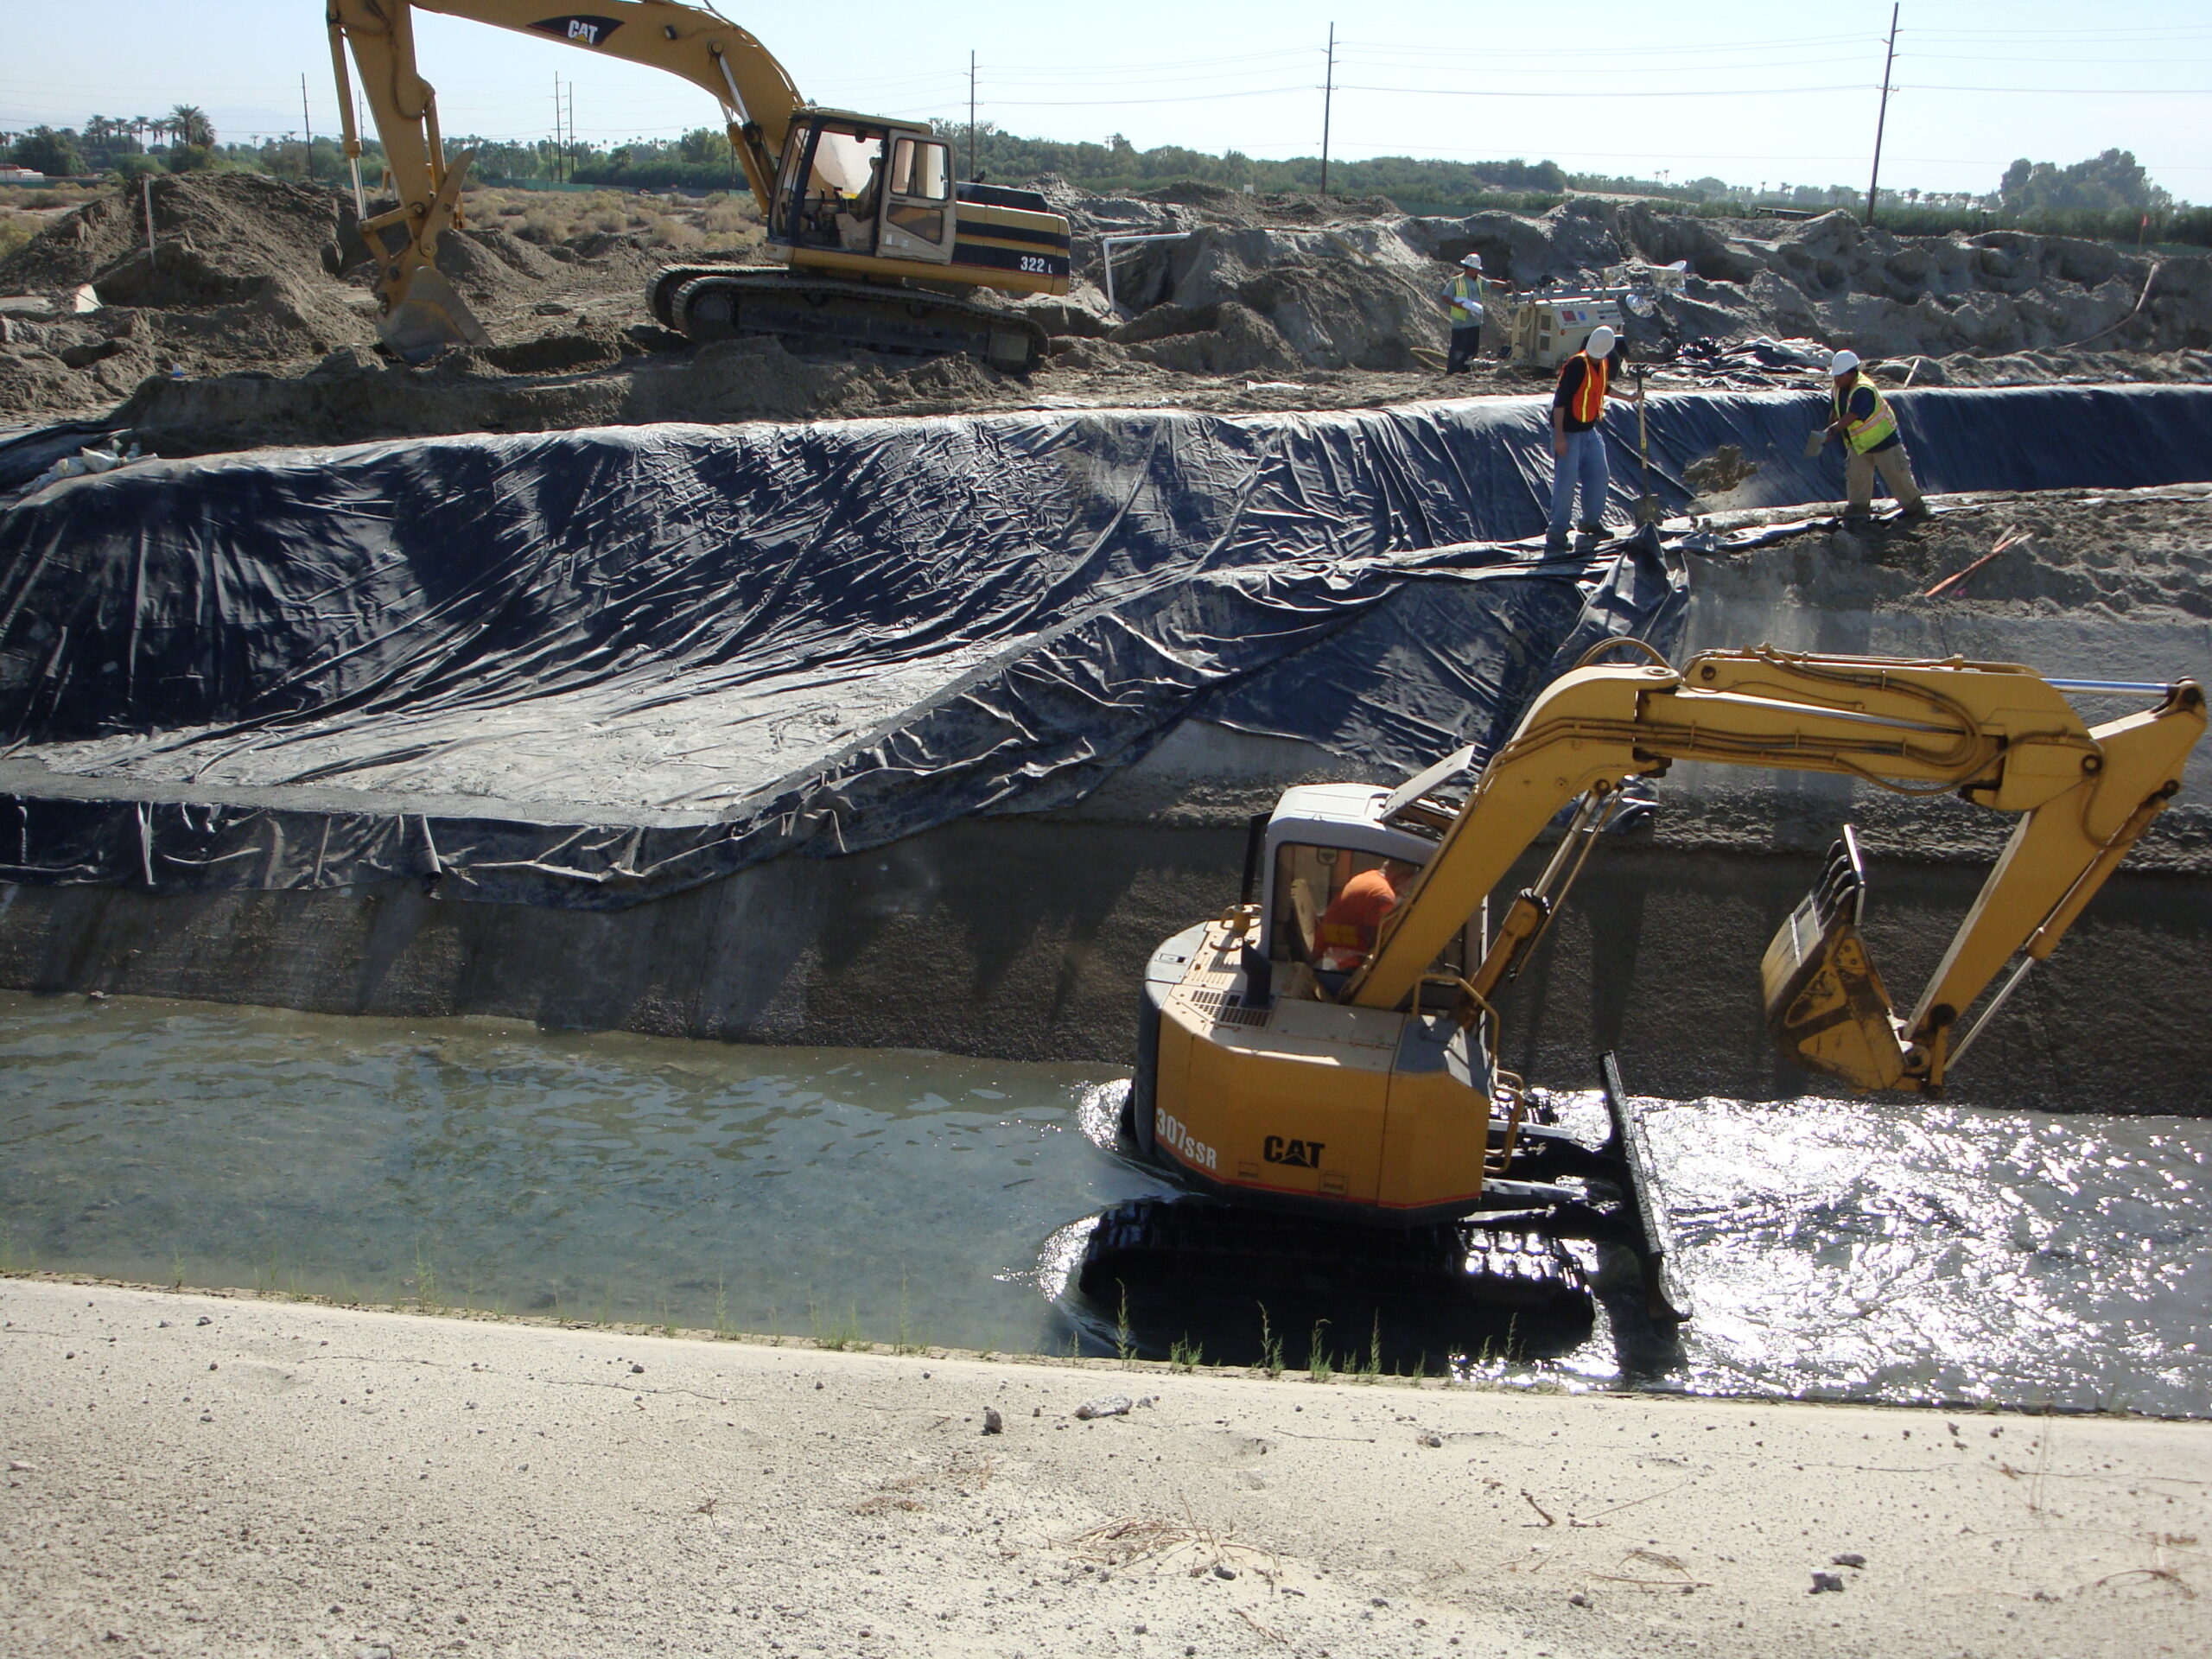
1546	329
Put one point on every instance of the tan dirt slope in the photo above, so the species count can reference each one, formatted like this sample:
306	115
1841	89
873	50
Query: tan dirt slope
251	325
196	1475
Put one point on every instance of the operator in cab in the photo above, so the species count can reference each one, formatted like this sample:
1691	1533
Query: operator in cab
1353	920
1872	442
1578	447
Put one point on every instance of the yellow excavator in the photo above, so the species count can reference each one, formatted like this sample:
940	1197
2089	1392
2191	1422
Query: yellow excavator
880	245
1325	1052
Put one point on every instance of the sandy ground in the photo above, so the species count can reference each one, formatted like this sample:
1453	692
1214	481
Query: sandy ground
194	1474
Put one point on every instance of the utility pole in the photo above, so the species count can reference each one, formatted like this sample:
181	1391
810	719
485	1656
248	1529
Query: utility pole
572	129
557	129
971	116
307	124
1328	98
1883	119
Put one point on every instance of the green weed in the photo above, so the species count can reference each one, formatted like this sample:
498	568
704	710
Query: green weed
1124	1347
426	1284
1270	1345
1184	1355
836	1338
1371	1369
1320	1366
723	1333
904	1342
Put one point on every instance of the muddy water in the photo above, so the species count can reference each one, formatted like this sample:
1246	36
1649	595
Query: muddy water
1834	1249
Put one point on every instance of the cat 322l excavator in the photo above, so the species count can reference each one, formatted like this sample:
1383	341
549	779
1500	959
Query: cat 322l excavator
1282	1075
881	247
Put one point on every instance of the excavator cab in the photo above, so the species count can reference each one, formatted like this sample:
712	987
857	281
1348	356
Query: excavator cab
1318	840
852	185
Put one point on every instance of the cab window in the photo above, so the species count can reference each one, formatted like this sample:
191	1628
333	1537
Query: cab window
920	169
1308	880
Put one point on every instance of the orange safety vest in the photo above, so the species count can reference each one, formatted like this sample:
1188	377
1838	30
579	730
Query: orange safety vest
1589	401
1351	923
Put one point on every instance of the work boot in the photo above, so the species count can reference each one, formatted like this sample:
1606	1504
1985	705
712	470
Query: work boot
1554	544
1919	510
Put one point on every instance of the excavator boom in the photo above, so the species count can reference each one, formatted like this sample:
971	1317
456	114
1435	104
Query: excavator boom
1995	733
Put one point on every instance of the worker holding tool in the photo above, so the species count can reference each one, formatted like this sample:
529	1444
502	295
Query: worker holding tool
1465	300
1872	442
1578	448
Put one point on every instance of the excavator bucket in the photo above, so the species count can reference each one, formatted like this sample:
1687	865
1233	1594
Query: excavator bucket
432	317
1825	1005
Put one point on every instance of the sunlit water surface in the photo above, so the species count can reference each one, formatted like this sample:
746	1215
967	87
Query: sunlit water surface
1840	1249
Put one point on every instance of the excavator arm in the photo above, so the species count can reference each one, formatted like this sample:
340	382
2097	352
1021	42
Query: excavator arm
421	311
1997	734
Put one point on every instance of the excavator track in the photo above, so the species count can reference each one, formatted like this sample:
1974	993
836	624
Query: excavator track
706	303
1185	1265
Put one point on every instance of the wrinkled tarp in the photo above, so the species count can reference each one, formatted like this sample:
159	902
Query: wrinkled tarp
27	451
987	614
1757	362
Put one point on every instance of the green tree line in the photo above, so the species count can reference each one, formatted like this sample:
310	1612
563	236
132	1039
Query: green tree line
2109	196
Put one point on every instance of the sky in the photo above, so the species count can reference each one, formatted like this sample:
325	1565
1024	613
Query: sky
1751	91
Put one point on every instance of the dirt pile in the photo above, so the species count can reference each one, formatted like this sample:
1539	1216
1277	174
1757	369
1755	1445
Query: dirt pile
1365	293
253	321
595	375
241	271
253	274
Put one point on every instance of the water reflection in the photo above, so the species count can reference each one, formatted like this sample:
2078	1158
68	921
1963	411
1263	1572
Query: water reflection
1890	1251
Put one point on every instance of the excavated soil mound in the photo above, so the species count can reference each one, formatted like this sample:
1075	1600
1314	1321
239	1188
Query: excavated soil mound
239	223
594	376
250	322
1366	293
240	272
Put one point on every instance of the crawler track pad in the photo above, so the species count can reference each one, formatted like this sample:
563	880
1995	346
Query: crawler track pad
1196	1271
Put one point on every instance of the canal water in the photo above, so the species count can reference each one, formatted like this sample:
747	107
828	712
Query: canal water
1872	1250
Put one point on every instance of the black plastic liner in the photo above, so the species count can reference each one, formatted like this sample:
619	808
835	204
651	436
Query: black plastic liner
1061	590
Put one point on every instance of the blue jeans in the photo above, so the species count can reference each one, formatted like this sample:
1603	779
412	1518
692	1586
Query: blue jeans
1584	463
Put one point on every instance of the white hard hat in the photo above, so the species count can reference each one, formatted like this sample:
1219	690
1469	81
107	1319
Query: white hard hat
1843	363
1472	261
1600	341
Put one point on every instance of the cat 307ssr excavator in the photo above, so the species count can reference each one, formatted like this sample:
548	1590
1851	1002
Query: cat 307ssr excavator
1333	1064
880	245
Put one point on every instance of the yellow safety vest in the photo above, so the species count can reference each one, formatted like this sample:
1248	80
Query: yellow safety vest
1878	427
1466	302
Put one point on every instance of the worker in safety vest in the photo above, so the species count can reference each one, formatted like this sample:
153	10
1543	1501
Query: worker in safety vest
1862	418
1578	448
1464	299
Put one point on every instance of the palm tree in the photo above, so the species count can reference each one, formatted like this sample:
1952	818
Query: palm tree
191	125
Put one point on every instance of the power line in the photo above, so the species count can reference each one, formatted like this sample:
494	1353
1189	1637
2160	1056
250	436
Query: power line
1613	94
